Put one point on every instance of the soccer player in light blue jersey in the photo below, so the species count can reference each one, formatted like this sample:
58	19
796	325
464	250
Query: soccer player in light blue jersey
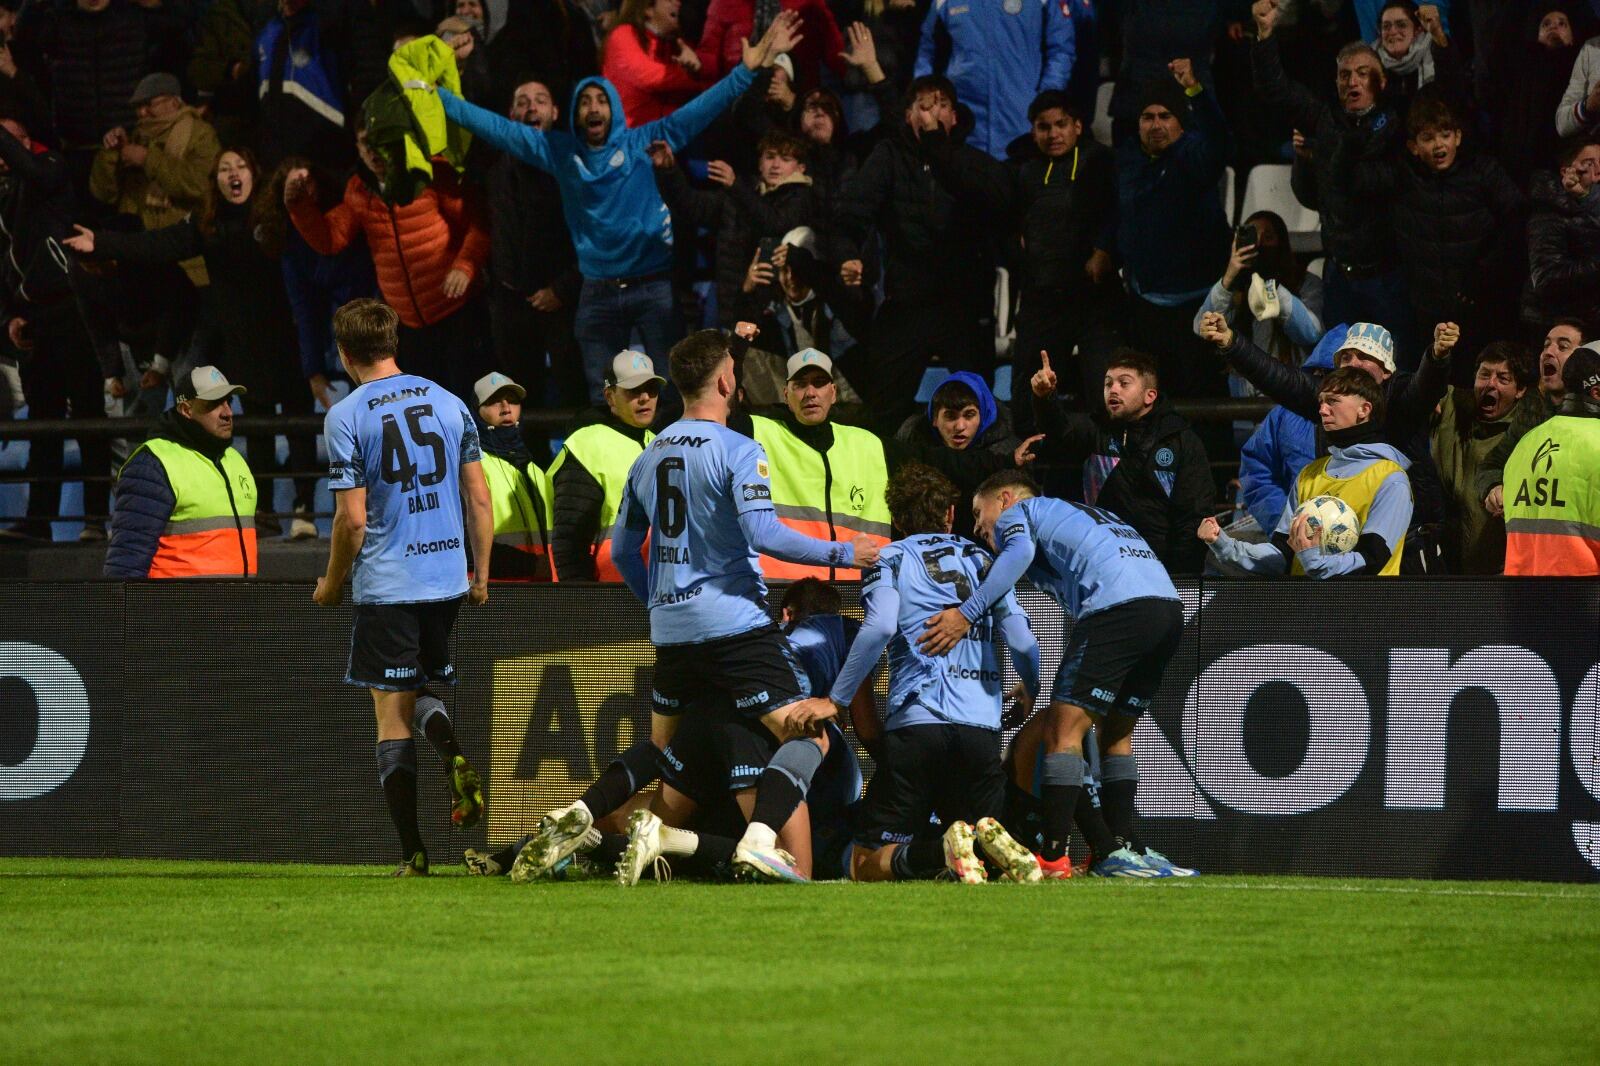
942	729
702	495
1126	624
403	464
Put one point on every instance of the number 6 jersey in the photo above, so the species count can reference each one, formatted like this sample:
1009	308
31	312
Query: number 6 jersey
404	439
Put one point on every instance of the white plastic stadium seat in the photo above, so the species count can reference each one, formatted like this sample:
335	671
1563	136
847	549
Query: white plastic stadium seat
1229	197
1101	127
1267	189
1316	265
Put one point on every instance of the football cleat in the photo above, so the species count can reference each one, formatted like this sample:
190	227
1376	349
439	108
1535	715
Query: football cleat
1054	869
766	864
1165	866
561	832
466	794
959	858
644	847
1017	861
481	863
416	866
1123	863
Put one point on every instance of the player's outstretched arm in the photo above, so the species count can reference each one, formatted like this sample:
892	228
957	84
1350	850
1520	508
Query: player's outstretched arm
1018	635
480	529
881	614
771	537
947	628
344	544
627	545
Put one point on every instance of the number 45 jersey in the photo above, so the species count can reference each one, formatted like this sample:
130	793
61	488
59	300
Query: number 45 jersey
689	487
917	578
404	439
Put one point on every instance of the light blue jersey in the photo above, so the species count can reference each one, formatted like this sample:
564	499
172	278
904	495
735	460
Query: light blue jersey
1084	558
915	579
404	439
820	644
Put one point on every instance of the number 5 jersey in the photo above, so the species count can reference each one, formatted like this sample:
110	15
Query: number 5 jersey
404	439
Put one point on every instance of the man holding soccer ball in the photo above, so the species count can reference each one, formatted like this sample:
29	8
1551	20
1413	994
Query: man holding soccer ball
1367	477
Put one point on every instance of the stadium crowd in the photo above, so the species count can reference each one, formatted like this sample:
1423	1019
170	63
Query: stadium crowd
1036	201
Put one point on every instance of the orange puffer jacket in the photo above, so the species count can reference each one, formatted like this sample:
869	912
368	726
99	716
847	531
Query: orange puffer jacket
413	247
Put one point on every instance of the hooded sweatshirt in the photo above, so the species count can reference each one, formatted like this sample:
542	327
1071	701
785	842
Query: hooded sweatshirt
619	224
1283	444
1386	523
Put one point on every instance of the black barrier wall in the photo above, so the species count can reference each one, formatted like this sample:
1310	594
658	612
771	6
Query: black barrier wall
1419	729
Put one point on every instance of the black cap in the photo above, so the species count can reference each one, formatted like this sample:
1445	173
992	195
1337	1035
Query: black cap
1582	371
1168	94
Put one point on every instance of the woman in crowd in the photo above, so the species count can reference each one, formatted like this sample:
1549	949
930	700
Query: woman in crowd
655	71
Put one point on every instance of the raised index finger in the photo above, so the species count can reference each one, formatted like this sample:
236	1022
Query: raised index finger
1044	356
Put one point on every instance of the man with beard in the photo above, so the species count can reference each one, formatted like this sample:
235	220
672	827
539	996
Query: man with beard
533	269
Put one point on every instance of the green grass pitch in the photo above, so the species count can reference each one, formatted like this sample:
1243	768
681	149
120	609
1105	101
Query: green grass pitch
167	962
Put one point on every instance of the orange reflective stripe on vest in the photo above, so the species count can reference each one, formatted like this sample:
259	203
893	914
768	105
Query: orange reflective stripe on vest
205	553
1552	547
212	529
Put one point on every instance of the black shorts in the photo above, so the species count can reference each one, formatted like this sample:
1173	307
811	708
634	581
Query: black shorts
399	647
1115	658
754	671
716	753
953	771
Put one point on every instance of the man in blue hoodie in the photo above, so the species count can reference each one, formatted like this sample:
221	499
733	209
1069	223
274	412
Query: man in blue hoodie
621	229
1369	476
1283	444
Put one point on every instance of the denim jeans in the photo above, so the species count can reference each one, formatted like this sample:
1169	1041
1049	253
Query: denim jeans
609	315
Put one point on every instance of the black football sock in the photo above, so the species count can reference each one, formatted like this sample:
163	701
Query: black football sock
1119	782
1023	816
631	771
604	855
1092	824
1063	780
508	855
920	860
712	858
783	784
397	771
432	722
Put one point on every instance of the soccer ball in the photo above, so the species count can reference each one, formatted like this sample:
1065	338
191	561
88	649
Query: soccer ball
1333	522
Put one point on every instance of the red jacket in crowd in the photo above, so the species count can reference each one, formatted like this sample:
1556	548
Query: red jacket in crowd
729	22
413	247
649	80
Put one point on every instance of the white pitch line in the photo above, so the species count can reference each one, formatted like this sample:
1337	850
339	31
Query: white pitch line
1400	890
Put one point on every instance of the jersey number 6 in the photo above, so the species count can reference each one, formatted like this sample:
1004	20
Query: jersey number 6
672	507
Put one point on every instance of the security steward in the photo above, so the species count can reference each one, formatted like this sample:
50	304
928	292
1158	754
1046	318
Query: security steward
1552	483
588	476
828	481
518	490
185	503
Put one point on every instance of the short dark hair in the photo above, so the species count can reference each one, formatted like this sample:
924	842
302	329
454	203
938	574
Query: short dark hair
784	143
931	83
1517	359
1430	111
1007	479
694	360
366	330
920	499
1572	322
811	596
1568	150
953	396
1051	100
1138	362
1351	381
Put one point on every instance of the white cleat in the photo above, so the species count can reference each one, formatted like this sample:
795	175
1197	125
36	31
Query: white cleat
1019	864
561	833
644	847
959	858
758	857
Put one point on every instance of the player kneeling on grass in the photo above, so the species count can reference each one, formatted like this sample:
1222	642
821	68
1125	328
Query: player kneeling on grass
941	739
1366	475
1127	620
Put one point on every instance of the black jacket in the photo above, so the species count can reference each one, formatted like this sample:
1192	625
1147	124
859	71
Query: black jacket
939	235
36	206
1563	253
1451	228
1406	415
918	442
1355	231
579	499
1524	89
1065	209
1152	473
530	247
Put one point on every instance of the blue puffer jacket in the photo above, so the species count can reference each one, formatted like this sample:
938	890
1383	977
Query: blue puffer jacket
1282	445
1001	54
619	225
144	502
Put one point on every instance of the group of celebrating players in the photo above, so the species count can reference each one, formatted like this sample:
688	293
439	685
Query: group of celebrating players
754	776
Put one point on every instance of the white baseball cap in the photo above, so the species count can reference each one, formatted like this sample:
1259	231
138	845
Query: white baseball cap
630	369
786	63
806	358
1371	339
206	383
494	382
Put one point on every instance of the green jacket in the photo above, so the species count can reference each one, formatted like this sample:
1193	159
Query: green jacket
1475	540
405	122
